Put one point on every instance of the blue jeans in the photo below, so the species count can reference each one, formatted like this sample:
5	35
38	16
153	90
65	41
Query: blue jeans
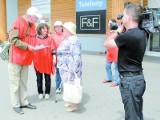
58	78
132	89
109	72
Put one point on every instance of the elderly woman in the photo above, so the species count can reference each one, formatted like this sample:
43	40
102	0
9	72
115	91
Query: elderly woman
58	37
69	58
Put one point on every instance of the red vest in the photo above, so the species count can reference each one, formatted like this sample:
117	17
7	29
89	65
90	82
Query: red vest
19	56
43	60
58	38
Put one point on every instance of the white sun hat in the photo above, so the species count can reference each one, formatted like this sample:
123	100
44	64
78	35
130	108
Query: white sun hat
34	11
70	27
58	23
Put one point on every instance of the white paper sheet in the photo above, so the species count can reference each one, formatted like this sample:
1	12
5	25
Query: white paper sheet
40	47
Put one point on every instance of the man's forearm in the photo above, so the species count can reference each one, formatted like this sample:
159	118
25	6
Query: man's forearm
15	39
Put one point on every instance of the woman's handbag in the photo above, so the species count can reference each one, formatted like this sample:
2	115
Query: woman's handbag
72	92
4	50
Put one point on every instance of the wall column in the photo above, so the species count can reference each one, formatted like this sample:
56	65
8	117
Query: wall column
117	7
3	21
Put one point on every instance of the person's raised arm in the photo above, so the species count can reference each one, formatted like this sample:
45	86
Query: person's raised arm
109	42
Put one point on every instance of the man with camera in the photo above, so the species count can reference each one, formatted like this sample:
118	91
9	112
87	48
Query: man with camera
132	45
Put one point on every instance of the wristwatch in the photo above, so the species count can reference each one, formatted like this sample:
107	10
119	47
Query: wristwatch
118	32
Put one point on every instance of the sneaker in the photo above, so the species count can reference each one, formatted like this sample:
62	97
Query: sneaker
113	85
18	110
29	106
106	81
58	91
47	96
40	96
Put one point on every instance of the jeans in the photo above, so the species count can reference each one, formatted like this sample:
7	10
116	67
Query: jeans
40	82
109	72
132	89
58	78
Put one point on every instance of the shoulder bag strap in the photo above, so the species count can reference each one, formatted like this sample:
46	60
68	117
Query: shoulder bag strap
25	34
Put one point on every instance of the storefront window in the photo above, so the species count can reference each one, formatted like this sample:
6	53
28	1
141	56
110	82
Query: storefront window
155	42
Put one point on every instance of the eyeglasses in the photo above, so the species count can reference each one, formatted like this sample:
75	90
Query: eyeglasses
44	28
58	26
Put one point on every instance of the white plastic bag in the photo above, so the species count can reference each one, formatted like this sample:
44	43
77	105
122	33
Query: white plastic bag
4	50
73	92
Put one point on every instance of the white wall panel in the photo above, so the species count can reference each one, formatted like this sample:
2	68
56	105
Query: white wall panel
154	3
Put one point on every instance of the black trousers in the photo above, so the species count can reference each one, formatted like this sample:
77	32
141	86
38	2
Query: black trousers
132	89
40	82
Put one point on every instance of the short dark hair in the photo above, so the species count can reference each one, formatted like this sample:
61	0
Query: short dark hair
135	10
41	26
113	20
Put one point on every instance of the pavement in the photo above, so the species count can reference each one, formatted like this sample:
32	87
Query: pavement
100	101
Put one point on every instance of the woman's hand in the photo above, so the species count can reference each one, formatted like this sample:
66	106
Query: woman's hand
54	59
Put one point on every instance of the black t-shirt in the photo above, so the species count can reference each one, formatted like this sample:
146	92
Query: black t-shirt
132	46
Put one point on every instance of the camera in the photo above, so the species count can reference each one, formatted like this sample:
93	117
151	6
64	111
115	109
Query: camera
150	20
113	26
147	22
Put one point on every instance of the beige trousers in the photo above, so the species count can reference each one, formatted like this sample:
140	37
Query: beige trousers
18	76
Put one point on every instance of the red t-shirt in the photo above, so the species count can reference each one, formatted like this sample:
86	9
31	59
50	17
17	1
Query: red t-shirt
112	53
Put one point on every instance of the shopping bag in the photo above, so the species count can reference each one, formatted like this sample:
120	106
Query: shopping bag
72	92
4	50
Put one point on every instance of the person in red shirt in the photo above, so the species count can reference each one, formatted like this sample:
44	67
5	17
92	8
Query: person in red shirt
23	28
21	36
112	57
44	59
58	37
